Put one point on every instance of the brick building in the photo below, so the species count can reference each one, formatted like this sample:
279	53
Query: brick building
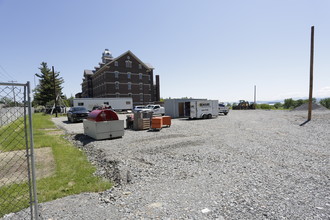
123	76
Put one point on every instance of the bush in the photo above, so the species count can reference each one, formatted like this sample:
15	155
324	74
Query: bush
265	106
278	105
39	108
325	102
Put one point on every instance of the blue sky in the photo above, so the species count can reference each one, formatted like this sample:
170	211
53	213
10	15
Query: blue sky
203	49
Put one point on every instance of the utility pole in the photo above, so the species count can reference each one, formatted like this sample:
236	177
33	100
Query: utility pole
255	96
12	81
311	76
54	92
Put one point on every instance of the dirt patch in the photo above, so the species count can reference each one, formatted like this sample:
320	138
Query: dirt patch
52	131
13	165
55	133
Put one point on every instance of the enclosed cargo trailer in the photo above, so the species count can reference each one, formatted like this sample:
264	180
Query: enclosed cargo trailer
117	104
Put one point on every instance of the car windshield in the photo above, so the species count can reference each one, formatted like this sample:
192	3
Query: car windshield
78	109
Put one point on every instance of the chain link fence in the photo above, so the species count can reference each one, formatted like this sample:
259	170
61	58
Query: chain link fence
17	171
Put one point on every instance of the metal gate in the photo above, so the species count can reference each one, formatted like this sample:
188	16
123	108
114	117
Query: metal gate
17	166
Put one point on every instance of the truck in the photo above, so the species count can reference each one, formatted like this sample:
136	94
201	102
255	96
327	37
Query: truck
244	105
223	109
205	109
117	104
156	109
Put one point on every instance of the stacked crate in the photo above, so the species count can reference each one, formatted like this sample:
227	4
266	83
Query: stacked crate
157	123
167	121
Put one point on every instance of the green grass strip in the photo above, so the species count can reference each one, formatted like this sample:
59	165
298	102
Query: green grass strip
73	173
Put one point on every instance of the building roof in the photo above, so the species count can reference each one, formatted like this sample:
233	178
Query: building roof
147	66
88	72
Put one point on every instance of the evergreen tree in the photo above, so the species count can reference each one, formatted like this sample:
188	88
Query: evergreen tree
44	93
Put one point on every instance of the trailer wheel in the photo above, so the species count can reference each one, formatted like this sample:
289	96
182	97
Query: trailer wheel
204	116
209	116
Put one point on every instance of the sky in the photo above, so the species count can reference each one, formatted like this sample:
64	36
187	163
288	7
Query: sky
211	49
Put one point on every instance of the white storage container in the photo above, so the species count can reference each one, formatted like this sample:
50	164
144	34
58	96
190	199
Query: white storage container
104	129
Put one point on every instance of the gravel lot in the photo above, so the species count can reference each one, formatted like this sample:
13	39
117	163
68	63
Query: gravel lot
246	165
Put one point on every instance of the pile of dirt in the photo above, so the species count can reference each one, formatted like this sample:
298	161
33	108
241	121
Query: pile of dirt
304	107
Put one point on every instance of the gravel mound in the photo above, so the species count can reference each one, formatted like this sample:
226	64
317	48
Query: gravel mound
304	107
246	165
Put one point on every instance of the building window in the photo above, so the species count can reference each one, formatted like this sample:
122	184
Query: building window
141	86
128	75
140	75
129	86
149	87
128	63
140	66
80	104
116	74
116	63
117	94
116	85
141	97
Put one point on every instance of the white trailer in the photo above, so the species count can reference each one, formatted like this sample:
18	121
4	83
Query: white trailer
117	104
201	109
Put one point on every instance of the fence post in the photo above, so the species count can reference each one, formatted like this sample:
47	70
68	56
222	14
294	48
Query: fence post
32	154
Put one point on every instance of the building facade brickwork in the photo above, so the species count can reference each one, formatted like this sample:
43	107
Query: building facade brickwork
124	76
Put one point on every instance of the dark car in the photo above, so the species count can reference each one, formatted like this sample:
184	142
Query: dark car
77	114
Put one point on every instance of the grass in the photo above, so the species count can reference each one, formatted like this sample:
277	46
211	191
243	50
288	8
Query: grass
73	175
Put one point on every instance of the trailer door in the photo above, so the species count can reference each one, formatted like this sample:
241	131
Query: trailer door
187	109
181	109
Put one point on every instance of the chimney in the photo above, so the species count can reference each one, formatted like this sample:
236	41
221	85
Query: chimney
157	92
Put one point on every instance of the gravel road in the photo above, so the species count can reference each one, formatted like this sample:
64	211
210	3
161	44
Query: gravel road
246	165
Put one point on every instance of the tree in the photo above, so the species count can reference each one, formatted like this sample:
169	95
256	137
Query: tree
278	105
298	103
44	93
288	103
325	102
68	101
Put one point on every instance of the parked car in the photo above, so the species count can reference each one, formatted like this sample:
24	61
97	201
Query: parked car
140	108
77	114
223	109
156	109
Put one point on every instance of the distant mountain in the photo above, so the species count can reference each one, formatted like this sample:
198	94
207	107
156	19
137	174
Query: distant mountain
282	101
272	102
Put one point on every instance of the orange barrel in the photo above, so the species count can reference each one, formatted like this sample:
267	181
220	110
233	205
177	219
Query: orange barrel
167	120
157	123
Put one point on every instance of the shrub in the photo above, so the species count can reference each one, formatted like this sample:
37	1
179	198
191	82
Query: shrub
325	102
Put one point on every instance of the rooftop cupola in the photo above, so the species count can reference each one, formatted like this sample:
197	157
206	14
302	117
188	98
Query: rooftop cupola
106	56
